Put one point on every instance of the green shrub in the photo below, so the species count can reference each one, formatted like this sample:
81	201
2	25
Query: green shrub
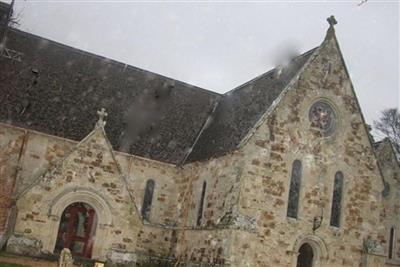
3	264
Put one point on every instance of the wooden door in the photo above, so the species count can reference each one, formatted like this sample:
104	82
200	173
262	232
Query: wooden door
77	229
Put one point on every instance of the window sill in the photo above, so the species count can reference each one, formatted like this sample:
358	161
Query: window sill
336	231
293	221
392	262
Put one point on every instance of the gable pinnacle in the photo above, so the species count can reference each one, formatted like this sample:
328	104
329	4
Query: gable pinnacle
332	21
331	30
102	114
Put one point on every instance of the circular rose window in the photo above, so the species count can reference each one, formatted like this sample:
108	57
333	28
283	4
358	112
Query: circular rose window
322	117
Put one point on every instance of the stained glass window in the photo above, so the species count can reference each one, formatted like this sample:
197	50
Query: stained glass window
337	199
391	243
294	191
148	199
322	117
201	204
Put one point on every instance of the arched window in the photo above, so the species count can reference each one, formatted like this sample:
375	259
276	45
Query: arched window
337	199
147	199
391	243
201	204
294	191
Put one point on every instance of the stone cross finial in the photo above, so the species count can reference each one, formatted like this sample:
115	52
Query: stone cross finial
102	114
332	21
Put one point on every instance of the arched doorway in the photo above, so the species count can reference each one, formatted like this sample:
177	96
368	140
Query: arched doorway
306	256
103	218
77	229
309	251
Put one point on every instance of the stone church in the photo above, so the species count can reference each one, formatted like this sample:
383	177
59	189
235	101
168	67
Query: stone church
130	168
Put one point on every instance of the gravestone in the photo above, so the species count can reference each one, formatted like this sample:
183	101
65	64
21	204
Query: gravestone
65	259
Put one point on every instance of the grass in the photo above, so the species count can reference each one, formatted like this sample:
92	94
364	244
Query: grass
3	264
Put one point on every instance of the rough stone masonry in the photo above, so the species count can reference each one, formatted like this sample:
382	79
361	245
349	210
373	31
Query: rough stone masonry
279	172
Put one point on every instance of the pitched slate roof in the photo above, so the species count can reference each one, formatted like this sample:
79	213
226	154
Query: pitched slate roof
240	109
57	89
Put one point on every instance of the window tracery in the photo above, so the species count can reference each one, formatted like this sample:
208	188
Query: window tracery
323	117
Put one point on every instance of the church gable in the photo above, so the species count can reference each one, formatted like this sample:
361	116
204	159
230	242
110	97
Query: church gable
388	161
90	160
310	159
318	109
88	176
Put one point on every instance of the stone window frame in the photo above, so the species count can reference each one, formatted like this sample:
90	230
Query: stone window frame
336	113
94	199
299	190
392	243
340	220
320	250
200	209
148	198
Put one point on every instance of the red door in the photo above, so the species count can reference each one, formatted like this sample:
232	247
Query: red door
77	229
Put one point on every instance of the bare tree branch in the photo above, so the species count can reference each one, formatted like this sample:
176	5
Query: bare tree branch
362	2
389	125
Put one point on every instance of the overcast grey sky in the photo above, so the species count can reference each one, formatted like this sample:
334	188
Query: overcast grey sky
220	45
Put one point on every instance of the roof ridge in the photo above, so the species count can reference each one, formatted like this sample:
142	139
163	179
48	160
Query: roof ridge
112	61
269	71
277	100
229	115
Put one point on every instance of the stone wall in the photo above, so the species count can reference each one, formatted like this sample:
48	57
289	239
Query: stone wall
88	174
222	177
244	220
390	208
11	143
39	153
168	185
53	168
286	135
186	241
